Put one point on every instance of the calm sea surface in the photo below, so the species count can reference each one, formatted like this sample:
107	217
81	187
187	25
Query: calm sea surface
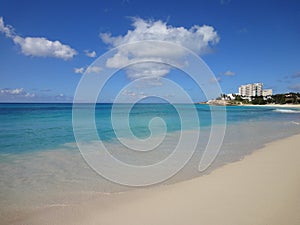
36	127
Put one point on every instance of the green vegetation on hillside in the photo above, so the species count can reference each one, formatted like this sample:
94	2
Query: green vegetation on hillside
289	98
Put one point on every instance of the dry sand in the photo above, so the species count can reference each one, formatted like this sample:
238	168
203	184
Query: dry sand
261	189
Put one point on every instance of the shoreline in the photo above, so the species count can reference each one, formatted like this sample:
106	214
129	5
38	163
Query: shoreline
251	105
262	188
275	105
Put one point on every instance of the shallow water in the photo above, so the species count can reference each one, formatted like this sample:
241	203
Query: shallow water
41	165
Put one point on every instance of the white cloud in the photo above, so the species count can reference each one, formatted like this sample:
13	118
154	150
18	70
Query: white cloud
79	70
16	91
197	38
128	96
21	95
91	54
215	79
90	69
38	46
30	95
93	69
149	70
7	94
229	73
7	30
128	93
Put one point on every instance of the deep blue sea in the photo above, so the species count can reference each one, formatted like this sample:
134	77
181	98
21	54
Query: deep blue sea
41	164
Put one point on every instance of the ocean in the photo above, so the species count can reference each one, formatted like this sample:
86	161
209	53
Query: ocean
41	165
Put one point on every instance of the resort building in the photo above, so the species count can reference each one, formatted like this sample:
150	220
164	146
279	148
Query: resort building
231	96
267	92
251	90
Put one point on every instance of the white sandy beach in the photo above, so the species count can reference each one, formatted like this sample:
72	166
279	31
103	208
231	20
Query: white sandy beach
261	189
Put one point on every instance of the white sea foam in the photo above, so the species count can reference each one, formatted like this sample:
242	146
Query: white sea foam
287	110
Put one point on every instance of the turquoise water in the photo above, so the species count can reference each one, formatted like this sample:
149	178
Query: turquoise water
36	127
41	165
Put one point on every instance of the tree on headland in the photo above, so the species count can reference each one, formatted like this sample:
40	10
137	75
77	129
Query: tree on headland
288	98
279	99
258	100
238	98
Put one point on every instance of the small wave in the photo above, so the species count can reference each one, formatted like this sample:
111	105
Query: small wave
287	111
297	123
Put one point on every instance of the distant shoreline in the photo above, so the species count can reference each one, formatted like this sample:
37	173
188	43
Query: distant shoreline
276	105
229	103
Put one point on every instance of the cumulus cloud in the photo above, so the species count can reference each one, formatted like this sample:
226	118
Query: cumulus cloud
90	69
38	46
16	91
93	69
149	70
128	96
6	29
91	54
21	95
15	94
197	38
229	73
215	79
79	70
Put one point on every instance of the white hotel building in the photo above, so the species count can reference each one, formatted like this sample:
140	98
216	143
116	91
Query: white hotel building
267	92
253	90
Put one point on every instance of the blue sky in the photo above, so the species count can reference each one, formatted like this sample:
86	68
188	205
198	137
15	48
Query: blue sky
45	46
